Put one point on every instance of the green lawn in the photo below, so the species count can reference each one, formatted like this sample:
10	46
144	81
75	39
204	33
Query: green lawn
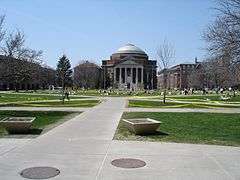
116	93
205	97
203	128
160	104
150	104
17	97
73	103
43	119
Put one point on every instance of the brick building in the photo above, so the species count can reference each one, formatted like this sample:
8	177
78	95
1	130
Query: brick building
178	77
129	68
87	75
36	76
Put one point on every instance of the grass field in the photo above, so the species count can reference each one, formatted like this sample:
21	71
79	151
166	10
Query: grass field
43	119
73	103
23	97
160	104
203	128
205	97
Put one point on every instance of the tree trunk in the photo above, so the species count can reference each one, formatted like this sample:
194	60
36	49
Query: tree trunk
63	97
16	87
165	86
164	96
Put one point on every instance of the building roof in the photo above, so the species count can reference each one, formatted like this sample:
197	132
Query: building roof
86	64
130	48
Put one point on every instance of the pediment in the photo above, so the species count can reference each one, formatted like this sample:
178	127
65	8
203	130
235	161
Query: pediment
128	61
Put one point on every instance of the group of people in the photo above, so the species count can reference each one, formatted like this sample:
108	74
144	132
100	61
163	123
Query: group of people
187	91
206	90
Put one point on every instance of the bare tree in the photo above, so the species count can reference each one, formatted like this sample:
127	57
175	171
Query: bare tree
14	45
2	31
165	54
15	48
22	62
19	64
47	76
217	72
223	37
17	71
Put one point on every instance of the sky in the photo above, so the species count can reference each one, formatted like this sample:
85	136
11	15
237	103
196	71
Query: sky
94	29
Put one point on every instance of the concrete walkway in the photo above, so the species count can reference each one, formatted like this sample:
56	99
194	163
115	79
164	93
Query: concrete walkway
78	147
173	161
82	148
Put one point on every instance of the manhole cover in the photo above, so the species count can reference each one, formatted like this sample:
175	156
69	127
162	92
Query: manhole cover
128	163
39	172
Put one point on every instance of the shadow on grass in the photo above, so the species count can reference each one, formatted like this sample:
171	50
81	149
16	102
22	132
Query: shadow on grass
32	131
156	133
35	131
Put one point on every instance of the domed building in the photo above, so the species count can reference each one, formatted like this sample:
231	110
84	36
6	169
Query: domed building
129	68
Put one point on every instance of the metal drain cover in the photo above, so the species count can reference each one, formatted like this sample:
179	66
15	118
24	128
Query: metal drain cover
128	163
40	172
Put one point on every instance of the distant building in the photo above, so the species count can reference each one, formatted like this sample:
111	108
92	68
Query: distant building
87	75
36	76
178	77
129	68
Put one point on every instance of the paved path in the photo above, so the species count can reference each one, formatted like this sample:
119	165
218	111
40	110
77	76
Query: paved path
78	147
8	144
82	148
173	161
76	109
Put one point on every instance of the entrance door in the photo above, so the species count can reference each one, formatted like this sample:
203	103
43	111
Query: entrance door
128	85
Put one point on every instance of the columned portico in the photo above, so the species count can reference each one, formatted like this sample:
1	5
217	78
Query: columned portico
128	77
128	69
136	75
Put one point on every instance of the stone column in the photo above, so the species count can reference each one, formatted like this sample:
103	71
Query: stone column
132	74
114	75
142	76
120	75
125	75
136	75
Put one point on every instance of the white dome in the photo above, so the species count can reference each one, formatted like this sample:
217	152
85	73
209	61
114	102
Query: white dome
130	48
